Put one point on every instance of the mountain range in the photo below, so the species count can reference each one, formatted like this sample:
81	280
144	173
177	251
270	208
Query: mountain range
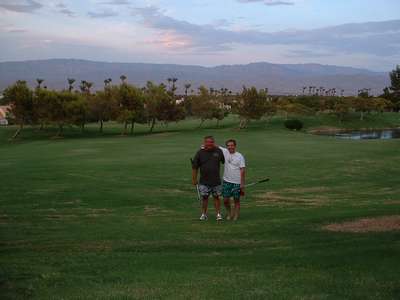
278	78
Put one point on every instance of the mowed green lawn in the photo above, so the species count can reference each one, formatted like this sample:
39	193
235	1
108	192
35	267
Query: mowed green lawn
111	217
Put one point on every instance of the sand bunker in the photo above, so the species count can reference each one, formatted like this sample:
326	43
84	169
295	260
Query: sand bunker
378	224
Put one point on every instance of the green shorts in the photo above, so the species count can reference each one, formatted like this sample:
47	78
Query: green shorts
231	190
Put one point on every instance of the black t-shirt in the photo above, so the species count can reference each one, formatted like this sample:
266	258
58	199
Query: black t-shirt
208	161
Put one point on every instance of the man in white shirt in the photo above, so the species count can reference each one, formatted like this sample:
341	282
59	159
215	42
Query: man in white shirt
234	179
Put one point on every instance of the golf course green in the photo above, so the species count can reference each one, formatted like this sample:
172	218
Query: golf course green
92	216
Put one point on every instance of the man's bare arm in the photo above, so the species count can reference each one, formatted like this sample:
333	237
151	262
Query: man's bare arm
194	176
242	177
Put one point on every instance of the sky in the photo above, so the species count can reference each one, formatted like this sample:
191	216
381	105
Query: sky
357	33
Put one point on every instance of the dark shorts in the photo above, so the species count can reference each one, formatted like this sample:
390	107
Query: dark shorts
231	190
206	190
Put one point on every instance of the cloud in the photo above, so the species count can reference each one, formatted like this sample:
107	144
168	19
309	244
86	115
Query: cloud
9	28
116	2
205	37
222	23
22	6
102	14
277	3
302	53
269	2
63	9
376	38
17	31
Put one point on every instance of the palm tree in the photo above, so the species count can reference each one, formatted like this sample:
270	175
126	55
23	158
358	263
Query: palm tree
107	82
174	80
71	82
304	89
39	82
309	90
187	87
83	86
169	81
123	78
89	85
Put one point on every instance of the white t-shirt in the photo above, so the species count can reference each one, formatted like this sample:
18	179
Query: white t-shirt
233	163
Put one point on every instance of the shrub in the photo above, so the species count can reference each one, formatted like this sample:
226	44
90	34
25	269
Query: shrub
294	124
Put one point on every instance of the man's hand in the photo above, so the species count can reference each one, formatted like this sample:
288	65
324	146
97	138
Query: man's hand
241	191
194	181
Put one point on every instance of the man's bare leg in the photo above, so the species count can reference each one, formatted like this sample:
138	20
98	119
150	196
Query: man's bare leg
236	209
204	207
227	203
217	205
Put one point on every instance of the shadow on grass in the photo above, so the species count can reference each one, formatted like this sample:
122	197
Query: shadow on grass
111	130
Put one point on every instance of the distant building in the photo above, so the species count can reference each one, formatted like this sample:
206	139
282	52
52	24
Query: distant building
3	114
180	100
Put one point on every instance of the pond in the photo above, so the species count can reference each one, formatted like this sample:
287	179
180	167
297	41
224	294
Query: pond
374	134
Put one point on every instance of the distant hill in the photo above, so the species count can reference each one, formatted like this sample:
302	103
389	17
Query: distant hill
279	78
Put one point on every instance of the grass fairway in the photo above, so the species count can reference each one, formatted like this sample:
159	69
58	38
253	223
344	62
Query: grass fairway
110	217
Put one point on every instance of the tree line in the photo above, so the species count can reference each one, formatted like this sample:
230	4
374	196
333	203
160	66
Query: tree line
129	104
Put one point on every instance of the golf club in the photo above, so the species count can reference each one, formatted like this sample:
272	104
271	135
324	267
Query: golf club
197	187
253	183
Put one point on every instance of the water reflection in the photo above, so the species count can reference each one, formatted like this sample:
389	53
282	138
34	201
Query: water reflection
385	134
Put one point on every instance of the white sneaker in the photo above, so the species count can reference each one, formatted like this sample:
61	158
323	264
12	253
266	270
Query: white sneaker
203	217
219	217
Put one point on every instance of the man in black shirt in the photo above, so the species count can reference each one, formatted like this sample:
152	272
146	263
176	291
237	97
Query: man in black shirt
208	160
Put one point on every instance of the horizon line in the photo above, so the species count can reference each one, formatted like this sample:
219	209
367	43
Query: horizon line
192	65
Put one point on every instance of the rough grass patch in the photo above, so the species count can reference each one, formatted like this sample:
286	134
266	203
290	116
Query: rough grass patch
378	224
99	212
172	191
316	189
60	217
290	197
392	202
155	211
4	219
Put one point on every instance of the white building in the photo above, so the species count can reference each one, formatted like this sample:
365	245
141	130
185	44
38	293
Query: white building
180	101
3	114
